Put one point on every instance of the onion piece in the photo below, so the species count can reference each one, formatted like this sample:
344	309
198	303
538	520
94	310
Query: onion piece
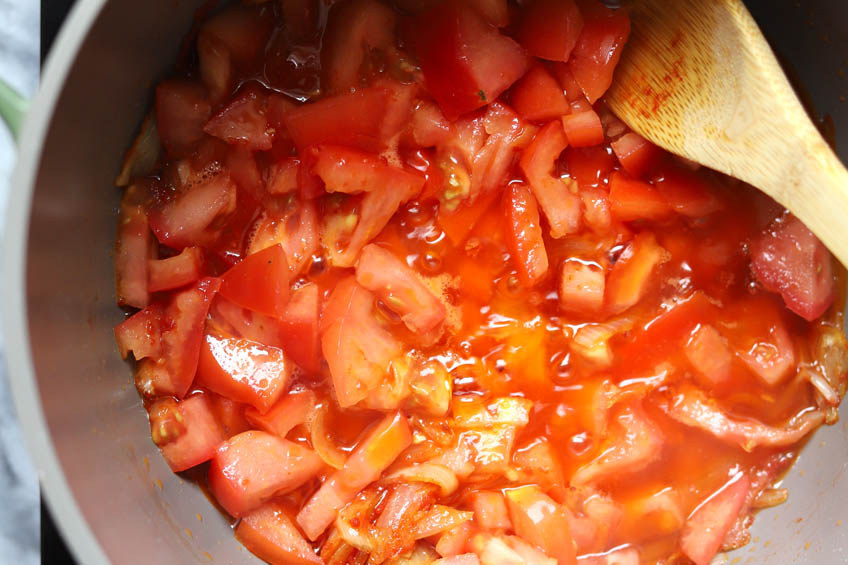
143	154
329	453
431	473
591	342
440	518
770	497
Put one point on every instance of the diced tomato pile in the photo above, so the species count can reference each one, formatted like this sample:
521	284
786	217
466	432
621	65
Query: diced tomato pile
405	290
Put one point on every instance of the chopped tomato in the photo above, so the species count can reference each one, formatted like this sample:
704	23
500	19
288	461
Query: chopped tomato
371	457
291	410
302	18
466	62
243	30
596	209
429	126
581	287
490	511
589	166
140	333
194	439
176	271
562	72
496	12
583	128
269	533
299	328
630	276
215	65
260	282
709	355
550	28
538	96
283	175
244	171
632	200
243	370
244	121
172	371
707	526
458	224
181	113
132	249
687	193
230	414
598	49
560	205
790	260
355	28
539	520
454	542
524	234
357	348
252	467
190	217
296	229
356	119
636	154
399	288
351	171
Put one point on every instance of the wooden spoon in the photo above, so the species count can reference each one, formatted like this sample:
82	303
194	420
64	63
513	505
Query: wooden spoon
698	79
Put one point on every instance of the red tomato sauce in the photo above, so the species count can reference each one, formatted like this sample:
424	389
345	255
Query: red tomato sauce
411	289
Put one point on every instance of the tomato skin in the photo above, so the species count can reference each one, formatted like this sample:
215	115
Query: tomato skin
252	467
549	29
243	370
598	49
787	258
466	62
398	287
380	447
181	113
244	121
201	436
524	234
268	533
132	250
538	96
177	271
260	282
631	200
560	205
637	155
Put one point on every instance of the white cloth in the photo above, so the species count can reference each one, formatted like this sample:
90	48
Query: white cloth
19	497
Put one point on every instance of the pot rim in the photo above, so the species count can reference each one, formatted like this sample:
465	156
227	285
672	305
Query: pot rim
60	499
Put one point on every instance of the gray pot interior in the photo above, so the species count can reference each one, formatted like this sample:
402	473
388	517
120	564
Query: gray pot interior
136	508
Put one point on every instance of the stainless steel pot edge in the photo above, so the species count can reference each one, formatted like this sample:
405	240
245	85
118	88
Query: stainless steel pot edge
60	499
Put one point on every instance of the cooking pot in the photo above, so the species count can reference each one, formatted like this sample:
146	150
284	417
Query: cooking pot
112	495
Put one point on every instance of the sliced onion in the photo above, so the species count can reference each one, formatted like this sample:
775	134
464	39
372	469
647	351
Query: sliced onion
329	453
592	340
439	519
431	473
823	387
771	497
143	153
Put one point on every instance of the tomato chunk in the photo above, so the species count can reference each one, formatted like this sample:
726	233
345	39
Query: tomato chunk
583	128
140	333
709	523
632	200
351	171
371	457
132	249
581	287
296	229
466	62
197	442
253	467
269	533
538	96
399	288
560	205
686	192
790	260
181	113
291	410
524	234
598	49
539	520
710	356
629	278
244	121
176	271
299	328
550	28
636	154
260	282
490	510
243	370
357	348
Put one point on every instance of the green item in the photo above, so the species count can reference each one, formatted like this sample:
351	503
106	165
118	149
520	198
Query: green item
12	108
